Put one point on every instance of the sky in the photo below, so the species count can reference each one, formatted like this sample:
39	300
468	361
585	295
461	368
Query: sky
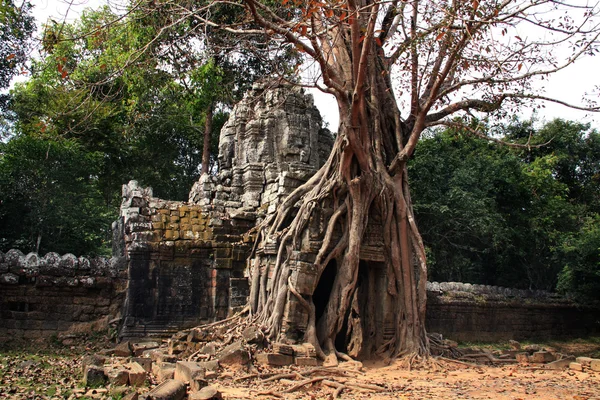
568	85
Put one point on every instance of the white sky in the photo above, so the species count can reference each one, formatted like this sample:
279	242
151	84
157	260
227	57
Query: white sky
568	85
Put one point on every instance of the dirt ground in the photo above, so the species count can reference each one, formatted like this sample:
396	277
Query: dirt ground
53	371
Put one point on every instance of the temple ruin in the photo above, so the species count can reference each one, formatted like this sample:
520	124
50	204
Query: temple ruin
180	264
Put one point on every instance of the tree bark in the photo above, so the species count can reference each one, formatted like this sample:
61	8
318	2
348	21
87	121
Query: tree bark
207	136
358	181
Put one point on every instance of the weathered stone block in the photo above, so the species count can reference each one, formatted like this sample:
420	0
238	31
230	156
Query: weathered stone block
560	364
234	354
595	365
306	361
542	357
522	358
94	376
575	366
137	374
163	370
206	393
585	361
146	363
139	348
92	360
274	359
186	371
117	375
170	389
123	349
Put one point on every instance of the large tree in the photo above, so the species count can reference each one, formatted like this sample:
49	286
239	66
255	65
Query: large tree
395	69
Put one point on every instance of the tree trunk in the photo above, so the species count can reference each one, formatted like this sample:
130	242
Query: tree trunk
207	136
361	178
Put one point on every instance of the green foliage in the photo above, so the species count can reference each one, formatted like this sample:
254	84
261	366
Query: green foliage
16	28
497	215
49	198
581	251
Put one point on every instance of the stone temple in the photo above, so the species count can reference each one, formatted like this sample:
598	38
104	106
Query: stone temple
187	260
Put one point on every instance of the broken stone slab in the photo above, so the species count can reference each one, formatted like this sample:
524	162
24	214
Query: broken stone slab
595	365
137	374
117	374
575	366
95	359
93	376
542	357
274	359
185	371
234	354
170	389
561	364
206	393
139	348
123	349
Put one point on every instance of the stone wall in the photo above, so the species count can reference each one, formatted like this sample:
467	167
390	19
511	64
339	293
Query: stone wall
467	313
44	296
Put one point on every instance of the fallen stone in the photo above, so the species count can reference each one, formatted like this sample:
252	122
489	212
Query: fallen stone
176	347
171	389
117	374
595	365
585	361
162	357
306	361
123	349
561	364
274	359
185	371
139	348
137	374
197	384
522	358
96	360
575	366
146	363
163	371
94	376
106	352
253	335
541	357
212	365
209	348
234	354
206	393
